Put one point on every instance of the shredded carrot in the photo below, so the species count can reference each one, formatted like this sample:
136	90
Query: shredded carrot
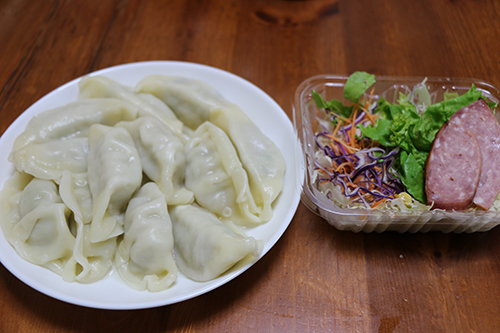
371	96
352	132
371	117
342	166
336	129
348	148
380	202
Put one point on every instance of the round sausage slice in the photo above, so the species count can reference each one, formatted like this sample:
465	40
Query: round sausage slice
478	118
453	168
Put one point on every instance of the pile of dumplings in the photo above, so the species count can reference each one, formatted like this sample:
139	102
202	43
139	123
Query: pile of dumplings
146	181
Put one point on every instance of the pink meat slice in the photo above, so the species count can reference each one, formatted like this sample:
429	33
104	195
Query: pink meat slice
480	121
453	168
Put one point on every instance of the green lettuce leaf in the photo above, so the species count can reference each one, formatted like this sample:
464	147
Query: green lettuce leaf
492	105
381	133
394	125
333	105
412	172
424	130
437	114
354	88
450	95
357	84
450	106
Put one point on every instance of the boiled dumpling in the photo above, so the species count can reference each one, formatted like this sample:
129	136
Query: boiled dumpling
90	261
37	225
260	157
48	160
162	157
114	173
144	258
10	197
74	120
215	174
148	105
190	99
205	247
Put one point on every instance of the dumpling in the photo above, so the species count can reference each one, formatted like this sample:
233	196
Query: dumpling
215	175
144	258
10	197
90	261
114	173
148	105
260	157
38	229
204	247
48	160
162	157
190	99
74	120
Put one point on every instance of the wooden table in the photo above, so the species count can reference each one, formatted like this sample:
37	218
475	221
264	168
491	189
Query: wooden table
316	278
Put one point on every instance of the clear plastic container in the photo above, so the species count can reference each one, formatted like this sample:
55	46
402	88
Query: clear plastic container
356	220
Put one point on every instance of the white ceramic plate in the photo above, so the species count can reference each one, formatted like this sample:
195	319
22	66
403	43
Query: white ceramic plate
111	292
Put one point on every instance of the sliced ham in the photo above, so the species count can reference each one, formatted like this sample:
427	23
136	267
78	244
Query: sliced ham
453	168
481	122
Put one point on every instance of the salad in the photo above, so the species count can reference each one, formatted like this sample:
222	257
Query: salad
372	153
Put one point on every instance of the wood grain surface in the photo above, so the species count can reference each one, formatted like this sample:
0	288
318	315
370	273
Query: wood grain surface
316	278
